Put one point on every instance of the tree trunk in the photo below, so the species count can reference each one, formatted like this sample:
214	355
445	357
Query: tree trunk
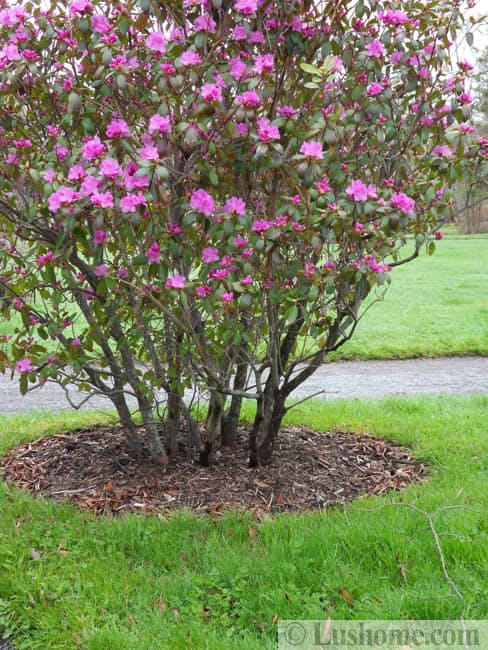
213	426
132	436
158	452
194	439
266	447
230	420
172	426
262	421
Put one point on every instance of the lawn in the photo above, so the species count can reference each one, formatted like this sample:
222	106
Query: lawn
68	580
435	306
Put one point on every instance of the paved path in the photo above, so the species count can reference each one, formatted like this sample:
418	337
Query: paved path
363	379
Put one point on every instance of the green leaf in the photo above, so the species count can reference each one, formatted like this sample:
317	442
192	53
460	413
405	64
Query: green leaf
291	315
311	69
245	300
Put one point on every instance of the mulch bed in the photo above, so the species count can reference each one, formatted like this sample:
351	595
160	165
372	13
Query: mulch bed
94	469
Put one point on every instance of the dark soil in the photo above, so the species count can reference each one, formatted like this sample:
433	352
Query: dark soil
94	469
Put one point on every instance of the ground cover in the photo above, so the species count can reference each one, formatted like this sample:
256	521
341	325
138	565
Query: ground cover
70	579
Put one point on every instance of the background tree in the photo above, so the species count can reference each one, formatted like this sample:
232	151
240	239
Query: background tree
206	195
472	193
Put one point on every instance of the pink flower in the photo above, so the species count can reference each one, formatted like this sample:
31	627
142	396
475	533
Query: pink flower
49	175
210	254
466	128
375	49
443	150
203	291
246	7
101	271
135	182
61	151
76	342
261	225
24	365
102	199
80	7
10	53
239	33
312	149
439	234
234	205
204	23
149	152
358	191
153	253
202	202
176	281
249	99
240	242
323	186
99	238
190	57
393	17
247	280
11	16
90	185
130	202
76	173
242	129
211	93
44	259
267	131
403	202
228	296
100	24
159	123
237	68
465	65
287	111
263	63
110	168
63	196
156	42
93	148
374	89
465	98
118	129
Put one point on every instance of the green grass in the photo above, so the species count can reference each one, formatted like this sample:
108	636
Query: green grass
145	583
435	306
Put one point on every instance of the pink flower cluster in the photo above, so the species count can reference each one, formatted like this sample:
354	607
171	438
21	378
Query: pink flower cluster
202	202
403	202
358	191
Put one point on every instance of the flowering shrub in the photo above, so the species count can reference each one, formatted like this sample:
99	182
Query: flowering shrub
205	194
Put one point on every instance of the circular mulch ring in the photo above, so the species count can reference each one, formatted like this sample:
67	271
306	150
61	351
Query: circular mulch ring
94	469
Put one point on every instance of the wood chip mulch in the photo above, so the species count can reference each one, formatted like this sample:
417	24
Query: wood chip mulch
94	469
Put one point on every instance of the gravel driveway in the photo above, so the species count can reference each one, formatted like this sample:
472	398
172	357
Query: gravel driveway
361	379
